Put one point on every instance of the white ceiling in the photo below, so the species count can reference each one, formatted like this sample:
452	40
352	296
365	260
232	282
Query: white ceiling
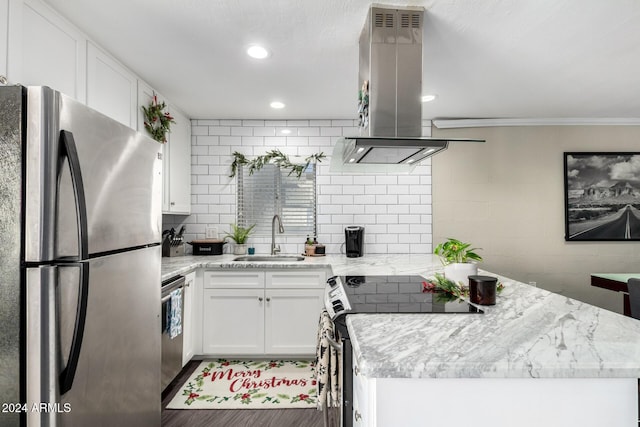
484	59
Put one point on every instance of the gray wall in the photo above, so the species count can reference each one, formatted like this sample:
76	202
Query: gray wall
507	196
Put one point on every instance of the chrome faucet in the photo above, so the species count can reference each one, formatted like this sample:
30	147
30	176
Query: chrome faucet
275	249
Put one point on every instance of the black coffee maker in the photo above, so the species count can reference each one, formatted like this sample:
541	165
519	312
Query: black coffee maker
354	241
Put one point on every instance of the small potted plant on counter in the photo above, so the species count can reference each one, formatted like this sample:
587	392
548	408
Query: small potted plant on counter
240	235
458	259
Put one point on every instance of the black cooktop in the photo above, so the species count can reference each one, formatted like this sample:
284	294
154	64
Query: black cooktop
396	294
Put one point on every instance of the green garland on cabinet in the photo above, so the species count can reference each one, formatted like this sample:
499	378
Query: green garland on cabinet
157	121
277	157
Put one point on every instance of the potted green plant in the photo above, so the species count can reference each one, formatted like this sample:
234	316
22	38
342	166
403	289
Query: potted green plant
459	260
239	235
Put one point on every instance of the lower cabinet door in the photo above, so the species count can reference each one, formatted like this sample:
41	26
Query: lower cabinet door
291	320
233	321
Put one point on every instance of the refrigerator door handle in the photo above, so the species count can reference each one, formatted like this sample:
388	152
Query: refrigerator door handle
71	153
69	372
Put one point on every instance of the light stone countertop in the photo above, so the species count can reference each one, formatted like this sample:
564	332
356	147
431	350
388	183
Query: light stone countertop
529	333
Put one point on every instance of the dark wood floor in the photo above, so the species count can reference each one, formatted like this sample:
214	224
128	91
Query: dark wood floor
236	417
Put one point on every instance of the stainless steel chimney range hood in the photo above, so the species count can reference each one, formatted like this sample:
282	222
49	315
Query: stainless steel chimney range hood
390	105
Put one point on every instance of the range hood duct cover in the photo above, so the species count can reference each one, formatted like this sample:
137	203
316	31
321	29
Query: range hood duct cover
390	78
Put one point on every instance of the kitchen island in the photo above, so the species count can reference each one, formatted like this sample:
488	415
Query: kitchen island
535	358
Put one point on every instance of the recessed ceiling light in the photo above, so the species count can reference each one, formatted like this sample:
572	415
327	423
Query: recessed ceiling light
411	160
360	150
351	160
277	105
428	98
258	52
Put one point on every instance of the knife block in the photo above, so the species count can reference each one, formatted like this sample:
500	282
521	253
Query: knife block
170	251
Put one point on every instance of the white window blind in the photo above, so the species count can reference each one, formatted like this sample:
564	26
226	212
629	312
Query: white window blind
270	191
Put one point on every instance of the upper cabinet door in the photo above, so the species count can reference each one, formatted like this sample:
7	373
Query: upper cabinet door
111	88
180	164
45	49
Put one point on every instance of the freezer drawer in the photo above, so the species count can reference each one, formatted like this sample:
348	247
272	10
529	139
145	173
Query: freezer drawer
117	377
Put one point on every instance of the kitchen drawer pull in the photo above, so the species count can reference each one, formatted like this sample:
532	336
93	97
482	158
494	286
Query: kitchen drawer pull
268	299
357	415
356	371
260	299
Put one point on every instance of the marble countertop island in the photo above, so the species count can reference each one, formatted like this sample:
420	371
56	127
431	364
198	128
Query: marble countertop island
529	333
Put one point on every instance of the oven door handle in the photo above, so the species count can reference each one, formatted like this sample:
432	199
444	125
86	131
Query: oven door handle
336	345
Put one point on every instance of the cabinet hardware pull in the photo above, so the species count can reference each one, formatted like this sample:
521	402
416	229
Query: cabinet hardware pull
268	299
356	371
260	299
172	203
357	416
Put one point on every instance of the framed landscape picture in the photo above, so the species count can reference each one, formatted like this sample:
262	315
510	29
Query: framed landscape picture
602	196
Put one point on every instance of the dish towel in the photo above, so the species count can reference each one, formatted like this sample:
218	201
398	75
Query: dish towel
328	365
174	322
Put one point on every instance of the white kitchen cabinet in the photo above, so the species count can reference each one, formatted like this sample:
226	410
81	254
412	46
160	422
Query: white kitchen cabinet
176	154
188	342
45	49
179	144
111	88
291	320
233	321
362	394
260	313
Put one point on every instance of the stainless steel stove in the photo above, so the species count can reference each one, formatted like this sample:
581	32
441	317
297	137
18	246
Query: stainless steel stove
389	294
345	295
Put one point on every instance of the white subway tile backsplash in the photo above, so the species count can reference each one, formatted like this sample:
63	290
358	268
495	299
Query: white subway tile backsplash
199	169
399	228
397	189
386	179
352	189
330	189
309	131
199	130
397	209
330	131
234	141
342	200
409	219
219	130
199	150
354	209
207	140
241	131
394	209
342	123
250	123
390	199
275	123
368	200
204	123
264	131
320	123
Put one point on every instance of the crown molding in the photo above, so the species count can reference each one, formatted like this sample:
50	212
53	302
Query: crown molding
473	123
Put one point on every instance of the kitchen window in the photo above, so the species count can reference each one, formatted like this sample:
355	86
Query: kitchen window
270	191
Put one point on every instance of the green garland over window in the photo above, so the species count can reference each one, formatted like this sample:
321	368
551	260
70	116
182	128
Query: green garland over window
277	157
157	121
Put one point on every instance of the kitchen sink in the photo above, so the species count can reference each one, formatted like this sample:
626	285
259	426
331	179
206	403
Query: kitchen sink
262	258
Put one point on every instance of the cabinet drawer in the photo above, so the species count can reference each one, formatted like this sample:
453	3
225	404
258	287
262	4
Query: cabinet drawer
234	279
299	279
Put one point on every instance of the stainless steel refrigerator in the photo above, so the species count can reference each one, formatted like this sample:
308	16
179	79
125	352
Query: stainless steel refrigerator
80	227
